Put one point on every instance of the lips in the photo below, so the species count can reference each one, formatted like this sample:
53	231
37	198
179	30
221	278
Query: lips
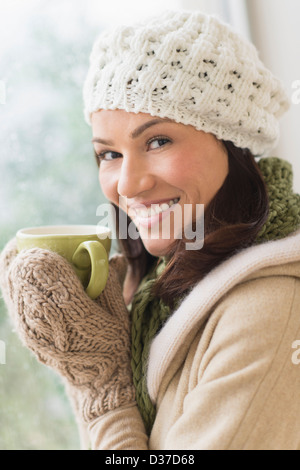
150	214
148	204
149	211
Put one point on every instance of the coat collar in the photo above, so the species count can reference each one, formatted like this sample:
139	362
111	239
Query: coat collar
175	336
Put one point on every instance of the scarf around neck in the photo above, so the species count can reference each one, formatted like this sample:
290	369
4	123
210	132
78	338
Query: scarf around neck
149	313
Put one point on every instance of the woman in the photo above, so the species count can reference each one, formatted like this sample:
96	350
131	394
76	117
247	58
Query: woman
179	106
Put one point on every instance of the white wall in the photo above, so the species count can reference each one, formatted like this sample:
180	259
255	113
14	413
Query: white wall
276	33
231	11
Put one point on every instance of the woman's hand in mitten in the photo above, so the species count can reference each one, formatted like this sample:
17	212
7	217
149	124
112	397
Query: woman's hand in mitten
87	342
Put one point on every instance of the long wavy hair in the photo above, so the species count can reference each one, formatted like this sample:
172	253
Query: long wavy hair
232	221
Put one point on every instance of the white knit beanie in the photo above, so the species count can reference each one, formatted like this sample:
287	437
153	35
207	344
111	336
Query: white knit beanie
192	68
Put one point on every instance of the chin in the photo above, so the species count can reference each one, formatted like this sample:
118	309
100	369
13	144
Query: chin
157	248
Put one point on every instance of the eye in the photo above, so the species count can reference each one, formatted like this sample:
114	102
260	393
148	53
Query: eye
157	142
108	156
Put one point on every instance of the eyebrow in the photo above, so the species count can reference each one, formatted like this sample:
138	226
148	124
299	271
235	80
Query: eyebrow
137	132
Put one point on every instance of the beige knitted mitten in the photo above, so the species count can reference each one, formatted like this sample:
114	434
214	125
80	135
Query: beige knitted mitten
87	342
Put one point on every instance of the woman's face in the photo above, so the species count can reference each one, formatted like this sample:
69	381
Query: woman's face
154	169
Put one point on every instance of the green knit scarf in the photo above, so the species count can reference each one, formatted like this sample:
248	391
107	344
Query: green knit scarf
149	313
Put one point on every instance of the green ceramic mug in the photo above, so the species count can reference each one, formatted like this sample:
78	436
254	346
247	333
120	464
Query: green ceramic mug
86	247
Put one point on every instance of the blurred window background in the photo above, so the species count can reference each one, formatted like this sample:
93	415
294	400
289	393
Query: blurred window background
47	171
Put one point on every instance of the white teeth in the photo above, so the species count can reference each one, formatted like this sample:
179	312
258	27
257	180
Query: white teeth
155	209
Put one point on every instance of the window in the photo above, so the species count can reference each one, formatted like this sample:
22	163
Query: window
48	176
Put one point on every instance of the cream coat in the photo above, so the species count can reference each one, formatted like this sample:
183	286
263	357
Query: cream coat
224	370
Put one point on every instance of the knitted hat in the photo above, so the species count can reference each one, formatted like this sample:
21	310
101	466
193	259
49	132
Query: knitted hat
192	68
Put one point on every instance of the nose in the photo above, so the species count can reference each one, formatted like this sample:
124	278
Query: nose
135	177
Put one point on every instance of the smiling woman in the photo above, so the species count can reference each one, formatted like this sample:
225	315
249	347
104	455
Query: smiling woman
185	348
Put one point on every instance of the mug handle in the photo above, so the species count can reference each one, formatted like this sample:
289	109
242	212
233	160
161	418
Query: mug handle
97	260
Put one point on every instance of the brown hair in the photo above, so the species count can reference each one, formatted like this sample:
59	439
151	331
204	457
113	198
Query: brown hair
232	222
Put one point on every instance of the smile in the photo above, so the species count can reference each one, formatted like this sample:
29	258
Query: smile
147	216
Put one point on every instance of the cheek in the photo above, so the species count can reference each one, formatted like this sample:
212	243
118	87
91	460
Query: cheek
198	176
176	171
185	172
